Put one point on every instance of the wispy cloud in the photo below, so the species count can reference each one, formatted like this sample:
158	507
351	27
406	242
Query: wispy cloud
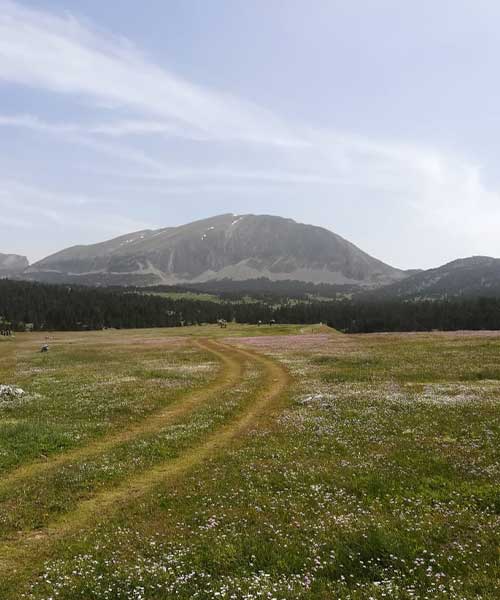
27	207
153	168
129	99
60	54
112	128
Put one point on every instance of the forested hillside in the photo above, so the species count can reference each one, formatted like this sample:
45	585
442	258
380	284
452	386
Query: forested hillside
59	307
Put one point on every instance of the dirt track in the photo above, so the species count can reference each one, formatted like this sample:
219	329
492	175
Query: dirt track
15	553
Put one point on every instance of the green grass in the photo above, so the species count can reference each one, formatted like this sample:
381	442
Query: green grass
56	491
376	476
78	393
202	297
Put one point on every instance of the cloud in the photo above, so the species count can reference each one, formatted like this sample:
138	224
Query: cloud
60	54
114	128
236	146
442	190
82	135
457	202
92	135
28	205
65	55
36	124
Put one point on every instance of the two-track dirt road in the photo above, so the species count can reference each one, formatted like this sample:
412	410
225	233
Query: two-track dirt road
17	551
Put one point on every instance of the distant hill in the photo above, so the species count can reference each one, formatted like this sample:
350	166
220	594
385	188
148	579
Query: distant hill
467	277
254	254
231	247
12	264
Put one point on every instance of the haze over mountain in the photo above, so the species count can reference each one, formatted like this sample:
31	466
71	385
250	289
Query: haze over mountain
223	247
12	264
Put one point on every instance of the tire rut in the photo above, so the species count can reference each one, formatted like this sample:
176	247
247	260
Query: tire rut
231	372
16	552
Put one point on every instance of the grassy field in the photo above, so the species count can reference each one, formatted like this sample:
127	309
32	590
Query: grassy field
202	297
280	462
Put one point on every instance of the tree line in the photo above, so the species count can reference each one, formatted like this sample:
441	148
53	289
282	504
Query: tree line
62	307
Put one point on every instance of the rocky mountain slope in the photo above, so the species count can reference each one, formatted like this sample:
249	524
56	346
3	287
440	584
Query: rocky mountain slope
12	264
467	277
227	246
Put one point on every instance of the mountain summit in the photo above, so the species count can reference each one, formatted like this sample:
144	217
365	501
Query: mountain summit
223	247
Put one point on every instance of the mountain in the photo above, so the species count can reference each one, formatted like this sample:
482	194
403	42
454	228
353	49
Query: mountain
466	277
224	247
12	264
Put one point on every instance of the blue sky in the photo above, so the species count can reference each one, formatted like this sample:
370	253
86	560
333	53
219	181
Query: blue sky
378	120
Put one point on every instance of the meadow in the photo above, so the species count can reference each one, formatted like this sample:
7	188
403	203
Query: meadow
281	462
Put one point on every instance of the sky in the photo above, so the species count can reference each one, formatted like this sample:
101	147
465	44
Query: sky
377	120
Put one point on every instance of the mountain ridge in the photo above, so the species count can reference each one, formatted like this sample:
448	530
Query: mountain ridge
226	246
462	277
252	248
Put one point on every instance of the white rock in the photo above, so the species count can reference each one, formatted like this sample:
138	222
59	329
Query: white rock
10	392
